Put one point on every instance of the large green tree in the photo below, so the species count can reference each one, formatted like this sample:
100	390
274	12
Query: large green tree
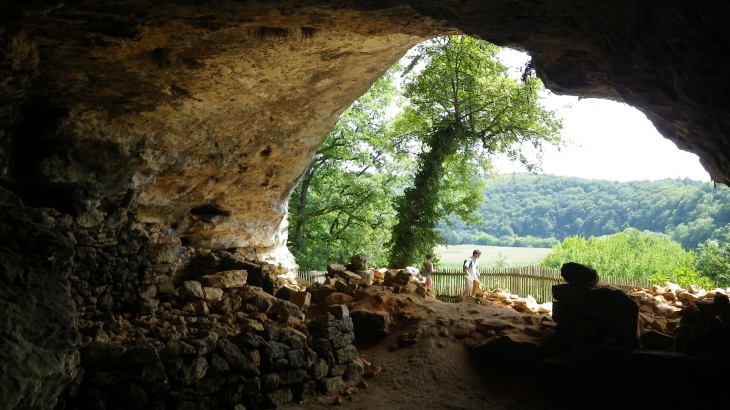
463	108
343	202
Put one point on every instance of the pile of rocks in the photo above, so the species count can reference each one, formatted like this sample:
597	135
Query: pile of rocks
688	319
214	343
331	337
166	257
268	276
588	312
347	279
505	298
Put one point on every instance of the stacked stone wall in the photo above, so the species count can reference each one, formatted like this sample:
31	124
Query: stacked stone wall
186	331
109	251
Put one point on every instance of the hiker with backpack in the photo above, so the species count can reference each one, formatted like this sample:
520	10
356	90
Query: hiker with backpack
471	274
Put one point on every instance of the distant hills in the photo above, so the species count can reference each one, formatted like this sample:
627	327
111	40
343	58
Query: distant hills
527	210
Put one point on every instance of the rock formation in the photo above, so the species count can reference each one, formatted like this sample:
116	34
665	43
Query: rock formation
209	112
38	329
199	118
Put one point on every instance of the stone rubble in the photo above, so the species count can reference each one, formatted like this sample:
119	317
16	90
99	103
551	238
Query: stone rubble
189	330
248	347
170	327
690	319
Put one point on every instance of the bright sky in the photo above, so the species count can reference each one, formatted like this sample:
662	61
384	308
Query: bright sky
611	141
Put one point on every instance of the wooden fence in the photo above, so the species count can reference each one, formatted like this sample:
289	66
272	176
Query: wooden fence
529	280
448	284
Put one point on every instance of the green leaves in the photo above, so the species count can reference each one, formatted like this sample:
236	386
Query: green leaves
343	203
462	109
548	206
713	260
632	254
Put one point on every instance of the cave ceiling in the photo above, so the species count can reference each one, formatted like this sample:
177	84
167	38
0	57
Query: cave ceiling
211	110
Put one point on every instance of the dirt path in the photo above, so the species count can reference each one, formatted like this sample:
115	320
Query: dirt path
437	372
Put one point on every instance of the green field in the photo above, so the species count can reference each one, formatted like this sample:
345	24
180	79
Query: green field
453	256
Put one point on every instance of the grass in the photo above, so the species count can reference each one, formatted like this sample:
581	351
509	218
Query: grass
453	256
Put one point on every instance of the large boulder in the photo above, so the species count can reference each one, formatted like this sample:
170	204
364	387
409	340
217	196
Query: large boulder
579	274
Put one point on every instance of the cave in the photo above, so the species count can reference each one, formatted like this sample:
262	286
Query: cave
130	127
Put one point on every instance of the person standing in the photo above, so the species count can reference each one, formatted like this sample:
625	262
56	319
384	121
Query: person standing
471	273
427	270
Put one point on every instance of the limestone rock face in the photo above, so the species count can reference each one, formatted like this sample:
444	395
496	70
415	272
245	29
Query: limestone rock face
210	113
38	331
211	121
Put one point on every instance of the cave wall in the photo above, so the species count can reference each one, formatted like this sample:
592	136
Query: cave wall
207	113
211	114
210	111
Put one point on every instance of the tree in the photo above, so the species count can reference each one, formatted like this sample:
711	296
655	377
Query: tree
462	109
343	203
713	260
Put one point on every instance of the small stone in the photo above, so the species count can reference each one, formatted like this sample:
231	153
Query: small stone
372	370
236	360
278	398
229	304
337	298
191	290
148	291
194	370
212	294
339	311
320	369
330	385
190	308
146	306
334	269
225	280
302	300
284	310
201	308
285	293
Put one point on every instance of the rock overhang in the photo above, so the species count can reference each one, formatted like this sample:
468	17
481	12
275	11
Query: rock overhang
211	111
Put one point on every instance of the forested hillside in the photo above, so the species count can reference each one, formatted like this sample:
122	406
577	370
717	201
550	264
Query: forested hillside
527	210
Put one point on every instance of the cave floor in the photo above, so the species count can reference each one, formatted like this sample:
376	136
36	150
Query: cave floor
437	371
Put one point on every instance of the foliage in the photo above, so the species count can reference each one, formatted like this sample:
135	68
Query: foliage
713	260
343	203
463	108
547	207
631	253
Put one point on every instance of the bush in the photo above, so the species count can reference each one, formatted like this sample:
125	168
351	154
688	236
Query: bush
713	260
632	254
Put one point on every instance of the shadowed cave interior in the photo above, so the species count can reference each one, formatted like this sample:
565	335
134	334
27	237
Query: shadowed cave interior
148	149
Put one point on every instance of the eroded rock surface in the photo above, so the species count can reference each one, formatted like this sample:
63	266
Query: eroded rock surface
209	112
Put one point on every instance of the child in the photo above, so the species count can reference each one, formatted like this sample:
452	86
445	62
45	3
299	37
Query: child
428	270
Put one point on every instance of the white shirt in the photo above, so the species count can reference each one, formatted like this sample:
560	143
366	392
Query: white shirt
471	267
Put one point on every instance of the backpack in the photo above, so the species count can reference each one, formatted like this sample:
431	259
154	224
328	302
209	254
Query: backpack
464	264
